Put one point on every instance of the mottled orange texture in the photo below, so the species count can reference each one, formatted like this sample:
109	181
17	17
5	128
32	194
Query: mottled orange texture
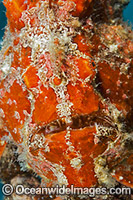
66	91
82	43
21	59
124	173
16	7
2	143
116	86
2	147
60	154
57	81
45	106
30	77
85	67
14	103
14	12
83	98
81	6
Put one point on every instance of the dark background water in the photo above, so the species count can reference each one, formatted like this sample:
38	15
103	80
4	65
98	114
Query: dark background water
3	20
127	15
1	195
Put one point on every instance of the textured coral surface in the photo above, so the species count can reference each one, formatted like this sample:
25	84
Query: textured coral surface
66	95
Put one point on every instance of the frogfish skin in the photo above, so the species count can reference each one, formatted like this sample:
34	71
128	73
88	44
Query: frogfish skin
66	91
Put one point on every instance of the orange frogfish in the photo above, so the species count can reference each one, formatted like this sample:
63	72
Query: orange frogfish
66	91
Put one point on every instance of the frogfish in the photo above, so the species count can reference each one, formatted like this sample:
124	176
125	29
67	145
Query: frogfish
66	95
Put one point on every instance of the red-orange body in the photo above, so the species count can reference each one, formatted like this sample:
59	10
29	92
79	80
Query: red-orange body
61	99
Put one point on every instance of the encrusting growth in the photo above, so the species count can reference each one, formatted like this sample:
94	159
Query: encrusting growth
66	93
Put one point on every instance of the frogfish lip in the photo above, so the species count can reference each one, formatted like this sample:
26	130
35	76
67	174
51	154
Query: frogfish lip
74	123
